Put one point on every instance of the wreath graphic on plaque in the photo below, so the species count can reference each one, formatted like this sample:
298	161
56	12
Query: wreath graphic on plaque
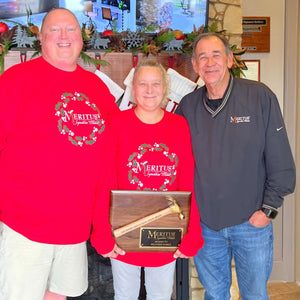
134	162
66	115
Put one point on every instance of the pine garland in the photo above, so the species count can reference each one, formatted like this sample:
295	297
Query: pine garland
3	50
92	61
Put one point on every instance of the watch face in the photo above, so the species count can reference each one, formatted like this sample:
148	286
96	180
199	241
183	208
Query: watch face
270	213
273	214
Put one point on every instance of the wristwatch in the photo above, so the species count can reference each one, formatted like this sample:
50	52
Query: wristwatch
270	212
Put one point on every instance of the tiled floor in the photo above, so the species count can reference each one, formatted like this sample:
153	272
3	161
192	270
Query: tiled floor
284	291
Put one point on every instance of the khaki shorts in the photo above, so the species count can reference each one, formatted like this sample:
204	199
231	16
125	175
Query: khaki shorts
28	269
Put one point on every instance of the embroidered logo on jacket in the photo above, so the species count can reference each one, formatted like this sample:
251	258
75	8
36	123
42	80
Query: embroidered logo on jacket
79	119
240	119
153	161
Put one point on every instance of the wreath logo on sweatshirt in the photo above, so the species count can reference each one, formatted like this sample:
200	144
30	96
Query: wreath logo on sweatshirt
138	165
70	121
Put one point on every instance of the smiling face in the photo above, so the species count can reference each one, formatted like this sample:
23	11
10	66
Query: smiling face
149	89
61	39
211	62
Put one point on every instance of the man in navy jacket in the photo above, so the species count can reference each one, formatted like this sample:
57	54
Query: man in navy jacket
244	168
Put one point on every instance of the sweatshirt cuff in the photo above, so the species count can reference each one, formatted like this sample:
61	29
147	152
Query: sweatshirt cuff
103	245
269	206
189	249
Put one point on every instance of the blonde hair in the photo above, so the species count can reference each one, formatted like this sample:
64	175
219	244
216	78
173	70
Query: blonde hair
164	75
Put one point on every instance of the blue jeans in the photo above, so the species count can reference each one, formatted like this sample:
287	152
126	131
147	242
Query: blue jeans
252	249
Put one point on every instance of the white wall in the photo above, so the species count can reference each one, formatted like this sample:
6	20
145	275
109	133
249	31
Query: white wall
272	63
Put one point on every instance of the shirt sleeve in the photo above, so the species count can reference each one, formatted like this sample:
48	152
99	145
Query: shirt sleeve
279	162
101	237
10	97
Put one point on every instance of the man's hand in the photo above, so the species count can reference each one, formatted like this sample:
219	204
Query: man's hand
115	252
259	219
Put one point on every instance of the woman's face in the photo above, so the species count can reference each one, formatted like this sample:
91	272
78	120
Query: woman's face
149	88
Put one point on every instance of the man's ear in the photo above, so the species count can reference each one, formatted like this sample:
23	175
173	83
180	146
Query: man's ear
40	37
194	64
230	60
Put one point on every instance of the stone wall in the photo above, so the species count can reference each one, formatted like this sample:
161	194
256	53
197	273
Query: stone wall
229	13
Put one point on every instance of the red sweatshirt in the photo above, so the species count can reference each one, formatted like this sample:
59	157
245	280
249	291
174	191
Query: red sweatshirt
166	144
51	132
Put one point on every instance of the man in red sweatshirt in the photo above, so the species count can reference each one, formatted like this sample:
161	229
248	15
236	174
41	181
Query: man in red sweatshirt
52	121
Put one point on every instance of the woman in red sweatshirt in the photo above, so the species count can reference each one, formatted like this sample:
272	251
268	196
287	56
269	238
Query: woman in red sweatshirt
161	144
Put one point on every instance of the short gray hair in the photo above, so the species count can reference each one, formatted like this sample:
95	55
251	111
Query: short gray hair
205	35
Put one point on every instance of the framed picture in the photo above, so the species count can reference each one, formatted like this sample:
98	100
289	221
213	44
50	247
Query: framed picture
253	72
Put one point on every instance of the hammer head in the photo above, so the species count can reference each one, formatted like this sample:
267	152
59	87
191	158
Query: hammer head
175	208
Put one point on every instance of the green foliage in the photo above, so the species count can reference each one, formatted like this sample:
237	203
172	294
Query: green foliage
2	54
214	26
84	35
29	13
92	61
150	28
165	37
237	72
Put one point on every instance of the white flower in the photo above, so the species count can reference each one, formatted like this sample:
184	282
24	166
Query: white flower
57	113
80	143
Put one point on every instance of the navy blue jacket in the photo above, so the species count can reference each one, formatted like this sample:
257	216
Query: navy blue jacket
242	153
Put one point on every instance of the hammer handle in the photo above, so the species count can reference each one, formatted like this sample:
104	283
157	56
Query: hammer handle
143	221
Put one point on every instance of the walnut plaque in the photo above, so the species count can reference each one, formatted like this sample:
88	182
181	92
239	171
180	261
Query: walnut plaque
149	221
